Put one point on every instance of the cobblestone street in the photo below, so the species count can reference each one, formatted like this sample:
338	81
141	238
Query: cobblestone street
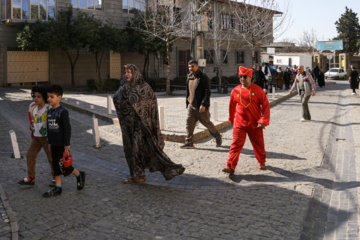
310	189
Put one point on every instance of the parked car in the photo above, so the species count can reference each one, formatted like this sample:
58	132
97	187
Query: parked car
336	73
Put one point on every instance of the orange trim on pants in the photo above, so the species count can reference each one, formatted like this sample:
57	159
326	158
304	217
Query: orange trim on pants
239	137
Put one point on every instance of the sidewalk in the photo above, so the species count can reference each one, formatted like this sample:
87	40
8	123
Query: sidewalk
174	111
306	192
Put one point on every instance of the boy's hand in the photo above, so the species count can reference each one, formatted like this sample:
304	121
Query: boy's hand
67	149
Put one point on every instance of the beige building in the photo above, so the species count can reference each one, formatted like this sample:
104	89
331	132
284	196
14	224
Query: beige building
30	67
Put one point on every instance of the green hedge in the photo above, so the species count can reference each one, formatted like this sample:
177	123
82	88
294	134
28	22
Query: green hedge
179	81
111	85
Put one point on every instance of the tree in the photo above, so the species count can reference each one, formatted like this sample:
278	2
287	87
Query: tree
255	23
138	42
348	28
218	38
309	40
162	22
69	33
103	38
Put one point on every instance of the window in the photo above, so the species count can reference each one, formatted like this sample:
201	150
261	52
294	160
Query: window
227	22
134	4
224	56
33	9
208	54
87	4
243	25
240	57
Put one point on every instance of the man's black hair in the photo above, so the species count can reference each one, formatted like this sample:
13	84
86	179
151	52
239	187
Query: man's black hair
40	89
193	61
57	89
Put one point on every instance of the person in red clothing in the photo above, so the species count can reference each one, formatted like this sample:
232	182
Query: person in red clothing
249	111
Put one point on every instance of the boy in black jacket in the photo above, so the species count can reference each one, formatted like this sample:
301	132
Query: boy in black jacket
59	133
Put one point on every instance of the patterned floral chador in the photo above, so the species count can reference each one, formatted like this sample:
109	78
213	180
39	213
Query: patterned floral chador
137	110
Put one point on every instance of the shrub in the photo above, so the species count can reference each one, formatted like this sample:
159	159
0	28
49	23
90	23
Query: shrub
233	80
179	81
111	85
91	85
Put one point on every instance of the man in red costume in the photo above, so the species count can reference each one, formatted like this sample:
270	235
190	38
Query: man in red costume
249	111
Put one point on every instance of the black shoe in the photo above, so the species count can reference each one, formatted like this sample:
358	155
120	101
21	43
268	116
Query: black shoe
80	180
54	192
187	146
27	181
219	140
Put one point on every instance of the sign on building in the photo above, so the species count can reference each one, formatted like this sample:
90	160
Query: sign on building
330	45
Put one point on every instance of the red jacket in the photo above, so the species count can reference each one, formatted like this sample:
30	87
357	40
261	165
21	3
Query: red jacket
249	107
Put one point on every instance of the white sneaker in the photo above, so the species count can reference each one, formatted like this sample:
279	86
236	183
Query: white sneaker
302	120
353	93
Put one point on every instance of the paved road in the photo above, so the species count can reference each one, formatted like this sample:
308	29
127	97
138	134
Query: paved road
310	190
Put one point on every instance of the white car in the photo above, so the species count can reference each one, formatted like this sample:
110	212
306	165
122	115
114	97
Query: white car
336	73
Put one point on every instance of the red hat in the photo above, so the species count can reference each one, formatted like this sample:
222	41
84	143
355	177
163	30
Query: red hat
245	71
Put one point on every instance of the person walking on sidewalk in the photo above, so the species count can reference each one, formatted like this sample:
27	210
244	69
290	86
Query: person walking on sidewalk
353	80
59	133
305	86
259	77
198	103
137	109
265	69
321	79
249	113
38	127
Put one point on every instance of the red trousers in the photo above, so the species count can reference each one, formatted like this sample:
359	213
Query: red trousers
239	137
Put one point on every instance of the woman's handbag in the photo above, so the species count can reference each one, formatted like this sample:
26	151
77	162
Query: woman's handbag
67	159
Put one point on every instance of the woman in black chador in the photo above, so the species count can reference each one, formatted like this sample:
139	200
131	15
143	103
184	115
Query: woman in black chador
137	110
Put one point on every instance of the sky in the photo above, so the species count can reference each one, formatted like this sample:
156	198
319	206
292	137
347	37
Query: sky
320	15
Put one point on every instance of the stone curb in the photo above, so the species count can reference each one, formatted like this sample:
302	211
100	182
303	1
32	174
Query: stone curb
168	135
14	226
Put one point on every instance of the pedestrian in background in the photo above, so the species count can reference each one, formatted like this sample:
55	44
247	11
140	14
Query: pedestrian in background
137	109
197	104
266	70
316	72
259	77
305	86
294	73
287	78
38	127
249	113
321	79
279	75
59	134
353	80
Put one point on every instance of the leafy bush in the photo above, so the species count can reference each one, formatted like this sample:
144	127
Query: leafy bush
215	80
111	85
179	81
233	80
91	84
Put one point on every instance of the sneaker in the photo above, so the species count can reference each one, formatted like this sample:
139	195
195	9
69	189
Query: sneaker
353	93
187	146
302	120
27	181
53	192
219	140
52	183
81	180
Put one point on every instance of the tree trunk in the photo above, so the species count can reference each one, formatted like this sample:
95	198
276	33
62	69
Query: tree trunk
72	64
168	89
220	76
100	83
146	64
